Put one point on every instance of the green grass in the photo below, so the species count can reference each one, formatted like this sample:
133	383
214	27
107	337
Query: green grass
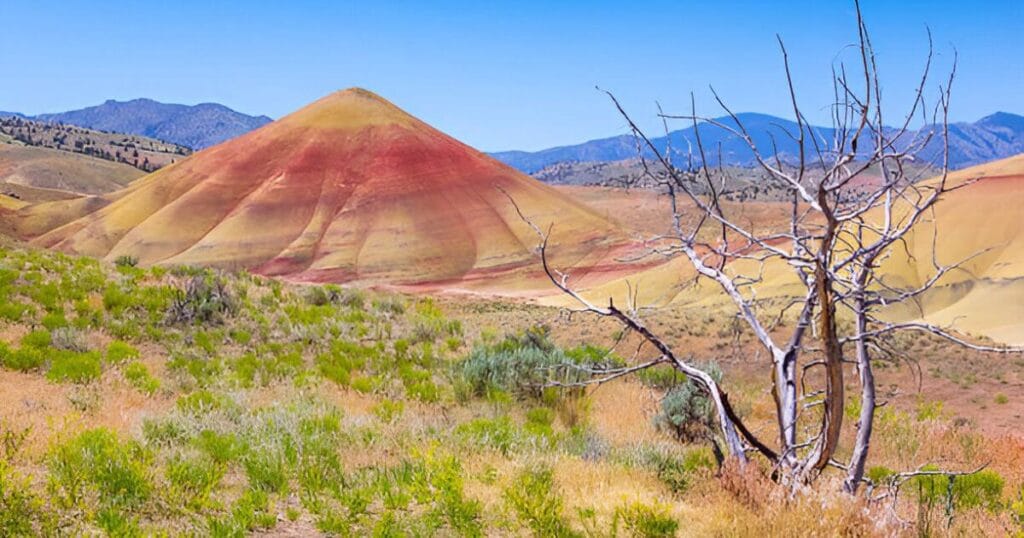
280	406
75	367
138	376
98	468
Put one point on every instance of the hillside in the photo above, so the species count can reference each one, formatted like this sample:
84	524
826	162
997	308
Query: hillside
36	174
197	127
997	136
350	188
146	154
985	297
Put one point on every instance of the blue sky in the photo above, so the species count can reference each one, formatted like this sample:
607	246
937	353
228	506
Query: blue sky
515	75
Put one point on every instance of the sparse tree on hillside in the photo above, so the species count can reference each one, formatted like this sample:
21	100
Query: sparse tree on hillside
853	201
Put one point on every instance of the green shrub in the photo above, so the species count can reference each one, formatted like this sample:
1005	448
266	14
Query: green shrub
267	470
929	410
331	294
499	433
115	300
661	377
532	496
119	351
539	421
194	478
423	390
389	411
366	384
1017	510
37	339
686	411
440	479
430	323
14	311
391	305
220	447
201	402
138	376
116	523
674	470
205	299
126	260
646	521
96	466
240	336
46	295
523	365
54	320
163	433
249	512
75	367
983	488
19	507
208	341
204	370
25	359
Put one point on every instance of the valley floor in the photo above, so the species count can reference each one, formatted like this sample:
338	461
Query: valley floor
188	402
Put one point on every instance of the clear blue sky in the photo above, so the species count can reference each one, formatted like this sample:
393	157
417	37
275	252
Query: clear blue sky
520	75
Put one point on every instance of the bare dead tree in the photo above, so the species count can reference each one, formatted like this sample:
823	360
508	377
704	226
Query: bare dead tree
843	223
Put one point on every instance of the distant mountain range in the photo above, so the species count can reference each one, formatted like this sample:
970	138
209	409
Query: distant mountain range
194	126
993	137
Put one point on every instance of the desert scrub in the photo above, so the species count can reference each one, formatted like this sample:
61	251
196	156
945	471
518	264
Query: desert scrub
202	370
275	448
138	376
981	489
23	359
686	411
21	510
501	434
332	294
54	320
388	411
525	363
646	521
126	261
38	339
204	401
268	363
391	305
69	339
676	468
532	496
118	352
421	495
98	469
15	311
205	299
74	367
430	323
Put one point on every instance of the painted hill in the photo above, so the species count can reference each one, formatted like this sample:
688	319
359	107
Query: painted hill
350	188
196	127
980	222
994	137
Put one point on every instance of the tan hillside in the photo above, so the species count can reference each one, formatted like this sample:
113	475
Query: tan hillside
37	174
